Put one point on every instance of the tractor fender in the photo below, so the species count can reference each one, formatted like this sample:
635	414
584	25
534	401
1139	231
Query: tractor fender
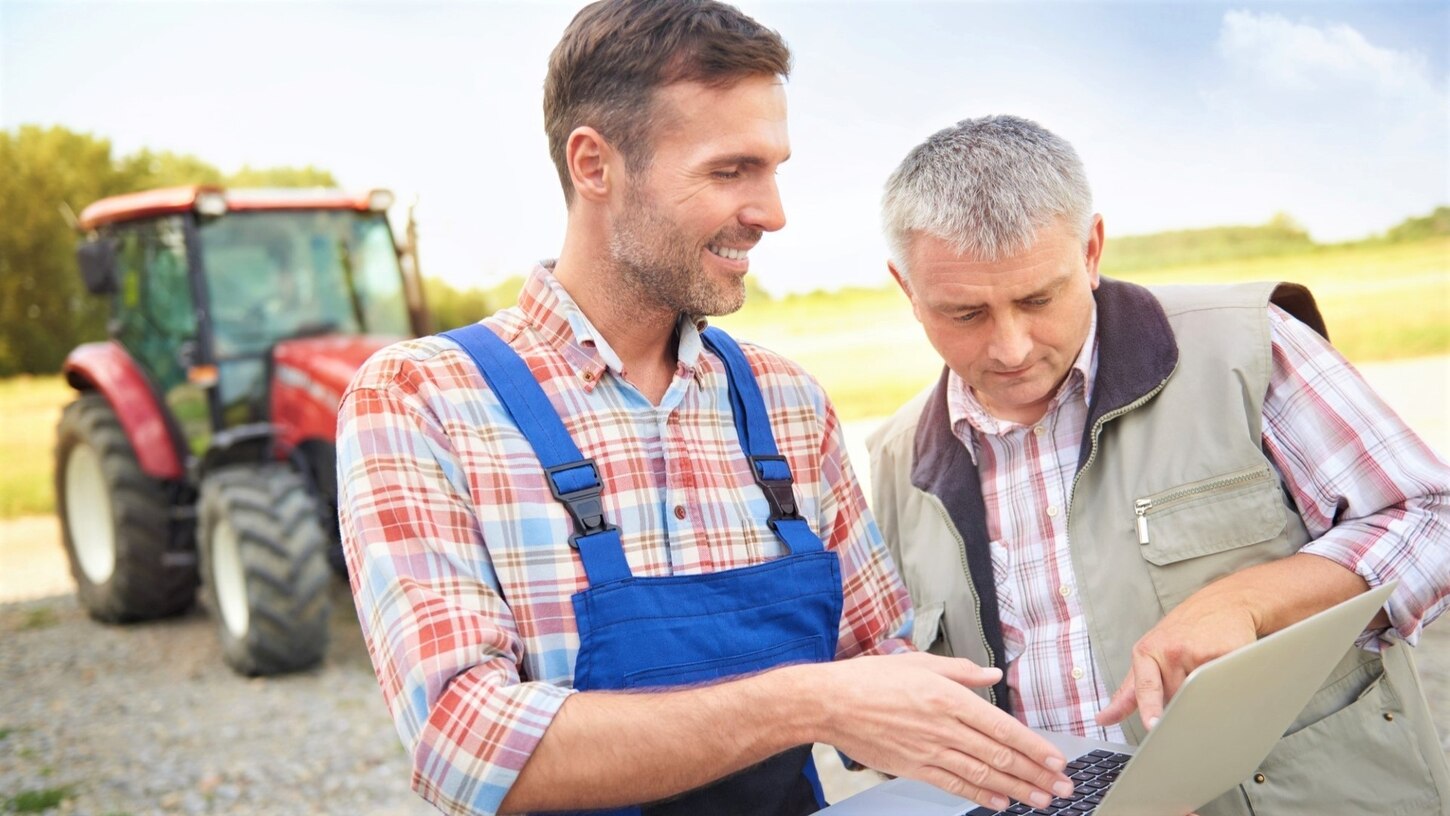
107	368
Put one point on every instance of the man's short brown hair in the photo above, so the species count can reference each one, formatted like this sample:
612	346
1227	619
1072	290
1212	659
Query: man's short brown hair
616	53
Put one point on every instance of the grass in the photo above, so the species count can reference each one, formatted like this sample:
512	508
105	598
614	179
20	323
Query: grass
29	410
1382	301
37	801
42	618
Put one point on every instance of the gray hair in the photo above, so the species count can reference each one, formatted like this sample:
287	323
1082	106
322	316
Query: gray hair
986	186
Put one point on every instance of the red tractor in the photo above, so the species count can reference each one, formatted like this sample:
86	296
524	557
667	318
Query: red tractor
201	446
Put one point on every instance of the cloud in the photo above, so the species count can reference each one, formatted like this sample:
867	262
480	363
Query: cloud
1304	57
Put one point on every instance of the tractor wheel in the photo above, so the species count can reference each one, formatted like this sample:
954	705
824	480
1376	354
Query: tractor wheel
115	521
264	564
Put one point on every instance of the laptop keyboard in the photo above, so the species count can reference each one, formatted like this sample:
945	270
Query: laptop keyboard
1093	773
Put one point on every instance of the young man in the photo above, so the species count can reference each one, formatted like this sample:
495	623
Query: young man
590	493
1110	486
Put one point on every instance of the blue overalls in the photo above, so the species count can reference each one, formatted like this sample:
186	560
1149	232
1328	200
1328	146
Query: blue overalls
678	630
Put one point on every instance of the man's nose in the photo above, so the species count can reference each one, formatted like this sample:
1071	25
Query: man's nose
765	212
1011	342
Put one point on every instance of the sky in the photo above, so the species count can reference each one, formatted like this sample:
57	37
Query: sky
1186	114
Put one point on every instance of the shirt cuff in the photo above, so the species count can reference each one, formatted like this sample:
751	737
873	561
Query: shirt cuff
478	738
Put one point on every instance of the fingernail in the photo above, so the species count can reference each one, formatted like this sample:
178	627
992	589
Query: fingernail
1055	763
1000	802
1152	722
1063	789
1040	799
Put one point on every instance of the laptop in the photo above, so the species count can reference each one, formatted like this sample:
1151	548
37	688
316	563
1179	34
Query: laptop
1211	736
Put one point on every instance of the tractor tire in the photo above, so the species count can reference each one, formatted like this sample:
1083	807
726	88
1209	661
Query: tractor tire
264	566
115	521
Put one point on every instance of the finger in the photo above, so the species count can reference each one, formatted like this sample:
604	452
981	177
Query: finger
1123	702
979	777
992	728
1148	685
965	672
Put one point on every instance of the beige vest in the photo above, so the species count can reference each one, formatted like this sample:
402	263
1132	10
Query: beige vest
1173	491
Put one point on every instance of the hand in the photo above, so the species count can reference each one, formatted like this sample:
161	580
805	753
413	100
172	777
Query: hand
1207	625
915	715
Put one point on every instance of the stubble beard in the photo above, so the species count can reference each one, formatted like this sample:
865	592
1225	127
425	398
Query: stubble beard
660	267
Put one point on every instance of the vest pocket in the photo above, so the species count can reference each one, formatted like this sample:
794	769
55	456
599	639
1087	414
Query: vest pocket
1361	758
1197	532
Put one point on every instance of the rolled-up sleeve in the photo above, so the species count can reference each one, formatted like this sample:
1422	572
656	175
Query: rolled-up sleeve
1374	497
441	638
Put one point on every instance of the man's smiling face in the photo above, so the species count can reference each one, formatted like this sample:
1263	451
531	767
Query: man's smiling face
683	228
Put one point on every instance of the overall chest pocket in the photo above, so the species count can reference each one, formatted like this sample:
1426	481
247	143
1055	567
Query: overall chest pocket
1194	533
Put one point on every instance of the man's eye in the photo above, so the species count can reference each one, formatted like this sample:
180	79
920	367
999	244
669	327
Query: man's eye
1037	302
967	318
726	175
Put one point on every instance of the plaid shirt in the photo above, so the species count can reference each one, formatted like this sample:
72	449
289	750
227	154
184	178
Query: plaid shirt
458	554
1372	495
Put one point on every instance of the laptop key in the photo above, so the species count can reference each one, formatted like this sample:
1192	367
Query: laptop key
984	811
1019	809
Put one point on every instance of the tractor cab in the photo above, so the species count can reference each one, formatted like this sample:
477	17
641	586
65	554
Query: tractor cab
238	317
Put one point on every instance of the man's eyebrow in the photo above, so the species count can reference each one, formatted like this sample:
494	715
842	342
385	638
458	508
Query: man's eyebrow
744	159
1049	288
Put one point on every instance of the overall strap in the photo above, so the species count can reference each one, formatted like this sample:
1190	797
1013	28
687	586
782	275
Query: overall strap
752	423
573	479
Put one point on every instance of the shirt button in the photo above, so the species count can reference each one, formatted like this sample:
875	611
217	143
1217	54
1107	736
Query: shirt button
588	376
1064	590
1076	673
1052	510
679	511
1039	430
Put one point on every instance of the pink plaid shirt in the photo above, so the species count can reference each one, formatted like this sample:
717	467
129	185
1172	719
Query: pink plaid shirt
458	554
1372	494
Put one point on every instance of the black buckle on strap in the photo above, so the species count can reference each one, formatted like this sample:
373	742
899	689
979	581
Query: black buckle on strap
584	505
778	492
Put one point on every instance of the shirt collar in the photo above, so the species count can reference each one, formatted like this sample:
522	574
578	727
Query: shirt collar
550	309
967	413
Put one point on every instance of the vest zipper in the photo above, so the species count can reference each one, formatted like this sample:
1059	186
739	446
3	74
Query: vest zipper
1142	506
976	599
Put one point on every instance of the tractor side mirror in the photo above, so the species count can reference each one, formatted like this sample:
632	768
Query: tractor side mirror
98	265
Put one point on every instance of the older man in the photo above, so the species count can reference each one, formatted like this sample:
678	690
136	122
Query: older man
592	493
1112	485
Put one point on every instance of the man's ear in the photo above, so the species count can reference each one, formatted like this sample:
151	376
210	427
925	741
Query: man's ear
1094	250
590	161
905	284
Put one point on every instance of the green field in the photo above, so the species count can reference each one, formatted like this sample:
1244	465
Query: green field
1381	301
29	410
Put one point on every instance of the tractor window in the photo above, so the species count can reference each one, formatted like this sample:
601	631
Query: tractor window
277	274
154	311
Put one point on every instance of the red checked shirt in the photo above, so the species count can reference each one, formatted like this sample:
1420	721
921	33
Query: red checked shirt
463	591
1340	450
